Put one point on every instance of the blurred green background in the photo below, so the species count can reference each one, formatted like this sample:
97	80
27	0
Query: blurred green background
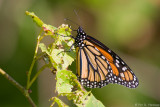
131	28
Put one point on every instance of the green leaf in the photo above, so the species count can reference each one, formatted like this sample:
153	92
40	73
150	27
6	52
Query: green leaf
67	61
93	102
35	18
65	81
49	29
58	101
43	48
64	30
65	86
57	55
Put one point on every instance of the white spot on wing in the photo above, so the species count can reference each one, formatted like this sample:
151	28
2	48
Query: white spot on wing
122	75
117	57
96	49
122	62
117	65
117	60
103	57
124	68
82	44
109	50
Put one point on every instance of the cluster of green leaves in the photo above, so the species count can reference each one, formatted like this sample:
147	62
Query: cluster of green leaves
58	60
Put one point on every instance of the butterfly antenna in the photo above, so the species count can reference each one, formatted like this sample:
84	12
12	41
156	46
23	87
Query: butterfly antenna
78	16
66	19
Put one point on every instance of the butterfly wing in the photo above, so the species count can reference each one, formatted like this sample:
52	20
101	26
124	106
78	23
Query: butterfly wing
97	66
92	70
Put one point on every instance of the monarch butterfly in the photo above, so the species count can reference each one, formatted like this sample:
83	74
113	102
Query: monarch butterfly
98	66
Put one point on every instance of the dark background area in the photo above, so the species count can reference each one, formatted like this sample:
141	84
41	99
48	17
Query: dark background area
131	28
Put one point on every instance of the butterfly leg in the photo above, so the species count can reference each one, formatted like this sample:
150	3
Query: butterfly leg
67	36
68	50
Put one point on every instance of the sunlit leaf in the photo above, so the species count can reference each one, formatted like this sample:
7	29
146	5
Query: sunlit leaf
35	18
57	55
65	81
58	101
93	102
49	29
43	48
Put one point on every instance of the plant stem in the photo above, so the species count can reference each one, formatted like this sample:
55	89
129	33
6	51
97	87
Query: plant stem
37	74
33	61
20	87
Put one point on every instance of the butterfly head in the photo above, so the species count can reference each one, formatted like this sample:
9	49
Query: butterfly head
80	31
81	36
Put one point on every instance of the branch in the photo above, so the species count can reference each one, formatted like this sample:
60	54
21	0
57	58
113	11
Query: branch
33	61
20	87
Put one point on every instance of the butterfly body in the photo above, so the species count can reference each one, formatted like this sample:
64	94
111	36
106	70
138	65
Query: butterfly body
98	66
